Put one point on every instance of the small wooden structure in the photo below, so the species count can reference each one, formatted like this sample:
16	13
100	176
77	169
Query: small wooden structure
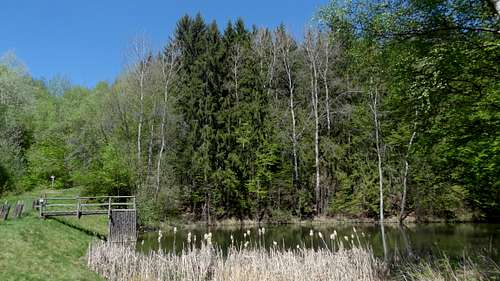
18	211
121	212
122	226
4	211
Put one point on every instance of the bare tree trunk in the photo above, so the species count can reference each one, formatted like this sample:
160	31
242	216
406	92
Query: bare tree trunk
150	149
374	108
311	46
324	74
151	140
141	120
405	176
262	42
285	44
168	63
294	138
140	57
160	155
271	69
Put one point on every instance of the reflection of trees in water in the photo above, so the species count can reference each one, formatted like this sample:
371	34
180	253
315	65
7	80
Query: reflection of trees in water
411	241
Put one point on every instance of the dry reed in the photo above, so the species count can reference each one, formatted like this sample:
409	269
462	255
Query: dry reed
120	263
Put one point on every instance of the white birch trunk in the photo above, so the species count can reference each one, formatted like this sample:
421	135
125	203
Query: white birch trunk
167	65
406	169
285	46
311	46
374	108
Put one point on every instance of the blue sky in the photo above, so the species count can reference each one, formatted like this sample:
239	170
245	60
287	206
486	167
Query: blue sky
85	40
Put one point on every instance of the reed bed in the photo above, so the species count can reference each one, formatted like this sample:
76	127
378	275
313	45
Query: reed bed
121	263
482	269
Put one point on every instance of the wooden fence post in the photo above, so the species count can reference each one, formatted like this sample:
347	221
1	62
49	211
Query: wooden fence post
4	211
18	211
78	206
40	206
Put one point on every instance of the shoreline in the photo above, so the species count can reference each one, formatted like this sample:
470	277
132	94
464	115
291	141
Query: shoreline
391	221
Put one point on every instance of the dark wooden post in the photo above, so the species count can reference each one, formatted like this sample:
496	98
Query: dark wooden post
4	211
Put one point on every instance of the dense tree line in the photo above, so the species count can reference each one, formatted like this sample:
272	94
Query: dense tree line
380	106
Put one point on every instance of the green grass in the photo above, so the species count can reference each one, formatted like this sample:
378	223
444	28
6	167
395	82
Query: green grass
35	249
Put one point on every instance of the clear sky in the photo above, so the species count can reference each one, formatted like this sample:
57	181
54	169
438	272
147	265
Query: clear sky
85	40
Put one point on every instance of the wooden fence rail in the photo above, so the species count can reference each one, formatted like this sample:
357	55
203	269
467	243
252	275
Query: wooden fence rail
82	206
121	212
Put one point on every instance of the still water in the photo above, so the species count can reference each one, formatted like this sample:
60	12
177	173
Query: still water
453	240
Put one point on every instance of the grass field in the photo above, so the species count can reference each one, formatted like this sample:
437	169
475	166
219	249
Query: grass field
36	249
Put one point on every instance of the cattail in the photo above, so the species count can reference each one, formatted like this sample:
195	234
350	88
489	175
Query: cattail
352	236
346	238
320	235
117	262
311	232
244	235
248	232
263	231
159	239
189	238
175	229
208	237
332	236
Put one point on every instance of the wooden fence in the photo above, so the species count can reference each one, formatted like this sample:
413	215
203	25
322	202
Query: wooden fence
121	212
5	209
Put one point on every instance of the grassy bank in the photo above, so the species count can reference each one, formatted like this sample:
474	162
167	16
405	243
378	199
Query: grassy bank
36	249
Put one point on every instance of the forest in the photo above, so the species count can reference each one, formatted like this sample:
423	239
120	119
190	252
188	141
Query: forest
381	109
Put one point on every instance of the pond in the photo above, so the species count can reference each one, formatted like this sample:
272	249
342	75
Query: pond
419	240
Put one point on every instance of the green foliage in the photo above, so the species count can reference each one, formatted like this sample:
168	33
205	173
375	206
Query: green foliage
204	129
110	176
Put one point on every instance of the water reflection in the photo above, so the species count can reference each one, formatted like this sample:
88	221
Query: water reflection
454	240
